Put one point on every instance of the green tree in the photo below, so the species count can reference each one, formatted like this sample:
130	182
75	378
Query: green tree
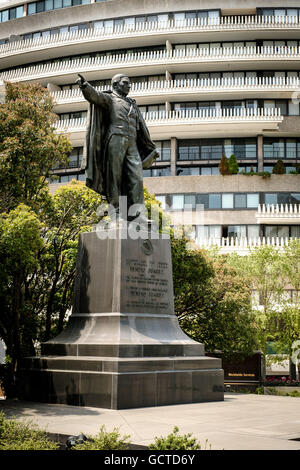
224	166
285	325
264	270
20	244
212	301
233	165
271	272
290	262
29	146
70	211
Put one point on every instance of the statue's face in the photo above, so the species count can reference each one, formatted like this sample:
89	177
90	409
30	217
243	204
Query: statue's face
123	86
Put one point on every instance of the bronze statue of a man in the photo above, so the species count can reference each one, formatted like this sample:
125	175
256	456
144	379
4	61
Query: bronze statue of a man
118	143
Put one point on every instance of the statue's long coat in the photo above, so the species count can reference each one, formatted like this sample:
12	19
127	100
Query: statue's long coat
94	158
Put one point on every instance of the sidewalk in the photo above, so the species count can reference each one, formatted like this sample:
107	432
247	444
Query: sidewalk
241	422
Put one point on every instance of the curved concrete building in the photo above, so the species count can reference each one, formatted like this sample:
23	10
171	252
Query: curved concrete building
212	77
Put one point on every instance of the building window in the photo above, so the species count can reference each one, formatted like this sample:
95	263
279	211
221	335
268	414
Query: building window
164	148
240	201
277	231
227	201
188	150
208	231
11	14
252	201
212	149
273	148
203	201
158	171
74	115
214	201
48	5
187	171
278	11
281	198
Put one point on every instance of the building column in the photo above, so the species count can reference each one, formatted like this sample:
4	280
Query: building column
168	76
173	155
25	9
168	45
168	106
260	153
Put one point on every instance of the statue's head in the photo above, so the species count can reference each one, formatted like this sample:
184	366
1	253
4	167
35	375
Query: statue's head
121	84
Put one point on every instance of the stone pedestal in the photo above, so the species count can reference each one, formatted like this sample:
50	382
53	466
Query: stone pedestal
122	347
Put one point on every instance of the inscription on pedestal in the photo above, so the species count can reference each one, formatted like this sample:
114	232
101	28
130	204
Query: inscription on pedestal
147	285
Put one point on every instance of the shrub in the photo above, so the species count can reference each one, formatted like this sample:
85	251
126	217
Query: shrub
233	165
104	441
176	442
21	435
279	168
294	393
224	166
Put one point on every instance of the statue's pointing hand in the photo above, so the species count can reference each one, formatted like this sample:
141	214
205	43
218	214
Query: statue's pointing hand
81	80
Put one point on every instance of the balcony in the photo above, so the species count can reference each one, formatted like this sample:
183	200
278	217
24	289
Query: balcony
192	123
241	246
278	214
193	30
208	89
156	62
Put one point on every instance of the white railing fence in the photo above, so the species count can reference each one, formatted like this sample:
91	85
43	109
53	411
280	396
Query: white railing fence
221	23
150	57
243	242
278	210
190	85
187	115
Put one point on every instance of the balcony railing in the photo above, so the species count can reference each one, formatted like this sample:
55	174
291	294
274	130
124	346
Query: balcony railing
205	85
187	116
152	58
242	245
235	23
279	213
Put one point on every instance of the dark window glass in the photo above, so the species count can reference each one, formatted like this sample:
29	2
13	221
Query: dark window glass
40	6
203	199
283	198
282	105
211	149
188	150
190	200
12	13
295	198
152	18
240	201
